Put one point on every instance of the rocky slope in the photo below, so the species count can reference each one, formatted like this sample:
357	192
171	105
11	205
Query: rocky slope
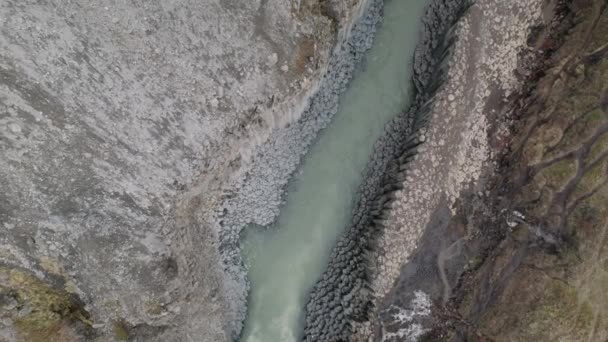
407	188
545	278
138	139
520	256
122	125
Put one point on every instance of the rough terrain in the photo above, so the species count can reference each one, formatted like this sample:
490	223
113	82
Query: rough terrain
256	197
138	139
343	296
388	222
122	124
544	277
455	151
520	256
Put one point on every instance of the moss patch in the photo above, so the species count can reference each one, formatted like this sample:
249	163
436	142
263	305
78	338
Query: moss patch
558	174
43	313
590	180
121	330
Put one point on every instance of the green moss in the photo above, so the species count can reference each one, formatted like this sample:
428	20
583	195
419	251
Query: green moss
51	310
581	131
520	233
599	200
51	266
475	262
153	307
121	330
49	306
583	217
558	174
551	135
113	306
590	180
533	152
465	305
587	221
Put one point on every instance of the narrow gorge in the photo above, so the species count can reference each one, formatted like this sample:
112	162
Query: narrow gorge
303	170
284	260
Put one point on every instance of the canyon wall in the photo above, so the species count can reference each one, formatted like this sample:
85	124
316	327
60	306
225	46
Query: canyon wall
122	127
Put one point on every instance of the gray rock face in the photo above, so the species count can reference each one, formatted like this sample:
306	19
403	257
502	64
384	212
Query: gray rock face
120	123
342	296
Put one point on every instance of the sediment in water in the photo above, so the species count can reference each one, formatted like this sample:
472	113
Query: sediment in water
343	295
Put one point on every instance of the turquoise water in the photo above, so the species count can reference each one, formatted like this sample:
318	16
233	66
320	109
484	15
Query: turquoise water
285	260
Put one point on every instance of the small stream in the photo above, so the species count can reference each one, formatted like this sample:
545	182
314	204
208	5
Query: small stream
284	261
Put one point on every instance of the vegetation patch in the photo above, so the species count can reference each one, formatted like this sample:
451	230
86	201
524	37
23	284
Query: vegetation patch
153	307
121	330
558	174
41	312
560	313
549	284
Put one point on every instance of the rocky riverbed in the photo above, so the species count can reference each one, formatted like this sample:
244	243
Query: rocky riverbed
256	198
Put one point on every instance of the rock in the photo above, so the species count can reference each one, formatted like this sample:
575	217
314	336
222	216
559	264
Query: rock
273	59
125	164
15	128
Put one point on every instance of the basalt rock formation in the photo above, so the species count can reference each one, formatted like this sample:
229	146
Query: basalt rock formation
343	297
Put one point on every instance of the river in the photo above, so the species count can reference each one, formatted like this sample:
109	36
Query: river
285	260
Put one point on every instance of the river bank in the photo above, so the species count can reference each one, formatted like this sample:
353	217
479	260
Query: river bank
479	75
343	297
518	257
534	253
285	259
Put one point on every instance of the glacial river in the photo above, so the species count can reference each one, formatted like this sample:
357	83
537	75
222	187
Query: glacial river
285	260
